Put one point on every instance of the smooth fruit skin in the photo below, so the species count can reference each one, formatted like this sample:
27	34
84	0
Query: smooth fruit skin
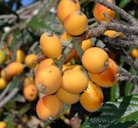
44	63
42	112
92	98
86	44
108	77
95	60
48	106
66	7
3	83
2	57
30	92
50	45
99	11
66	37
12	69
74	81
20	56
3	124
76	23
113	34
30	59
67	97
48	79
134	53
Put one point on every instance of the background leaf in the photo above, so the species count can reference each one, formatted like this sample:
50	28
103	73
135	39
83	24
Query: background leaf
122	113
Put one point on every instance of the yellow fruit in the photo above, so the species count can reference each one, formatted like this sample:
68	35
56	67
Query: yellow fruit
50	45
48	106
92	98
28	80
4	75
76	23
95	60
48	79
3	83
74	81
101	11
108	77
66	37
66	7
73	67
3	124
2	57
86	44
44	63
30	92
20	56
12	69
30	59
113	34
67	97
134	53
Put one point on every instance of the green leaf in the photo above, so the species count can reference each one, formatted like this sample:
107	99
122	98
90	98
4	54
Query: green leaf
9	120
123	113
34	24
16	82
129	86
123	3
115	92
7	9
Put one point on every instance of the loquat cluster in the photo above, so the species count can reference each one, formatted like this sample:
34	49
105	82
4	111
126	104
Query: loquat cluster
70	84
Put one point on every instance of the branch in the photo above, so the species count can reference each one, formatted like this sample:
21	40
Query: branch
10	96
124	75
120	11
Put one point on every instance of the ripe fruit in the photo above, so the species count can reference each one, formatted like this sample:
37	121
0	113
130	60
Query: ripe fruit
4	75
3	124
48	79
30	59
113	34
50	45
92	98
72	67
86	44
66	7
66	37
67	97
12	69
76	23
134	53
106	78
30	92
101	11
28	80
95	60
3	83
44	63
20	56
74	81
48	106
2	57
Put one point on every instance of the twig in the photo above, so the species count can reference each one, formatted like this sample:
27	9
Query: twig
68	49
9	97
120	11
5	91
124	75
